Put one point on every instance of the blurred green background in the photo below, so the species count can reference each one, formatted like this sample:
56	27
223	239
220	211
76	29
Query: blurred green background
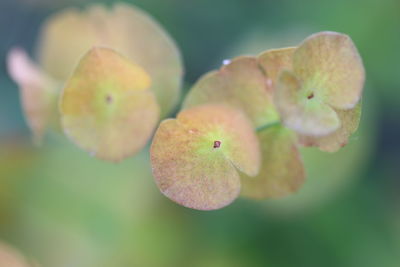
63	208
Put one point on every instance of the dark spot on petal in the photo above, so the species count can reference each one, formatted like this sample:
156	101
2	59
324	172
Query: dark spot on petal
109	99
217	144
310	96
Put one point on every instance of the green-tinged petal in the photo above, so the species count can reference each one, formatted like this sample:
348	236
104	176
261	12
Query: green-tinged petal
274	61
282	171
106	106
196	156
328	63
329	175
38	93
240	84
301	110
126	29
334	141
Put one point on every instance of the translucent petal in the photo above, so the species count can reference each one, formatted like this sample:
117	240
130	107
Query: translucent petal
38	93
303	111
107	107
68	35
334	141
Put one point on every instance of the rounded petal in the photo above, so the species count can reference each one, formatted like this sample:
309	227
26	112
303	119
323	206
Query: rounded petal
38	92
106	106
282	172
240	84
274	61
334	141
329	63
194	157
148	44
304	113
61	45
126	29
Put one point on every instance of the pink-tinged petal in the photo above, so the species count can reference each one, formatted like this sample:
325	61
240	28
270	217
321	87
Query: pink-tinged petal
196	157
240	84
38	93
9	257
274	61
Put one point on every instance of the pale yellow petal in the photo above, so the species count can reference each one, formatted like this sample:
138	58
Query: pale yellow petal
107	107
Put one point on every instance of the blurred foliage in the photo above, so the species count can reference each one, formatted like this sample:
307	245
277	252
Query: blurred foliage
64	208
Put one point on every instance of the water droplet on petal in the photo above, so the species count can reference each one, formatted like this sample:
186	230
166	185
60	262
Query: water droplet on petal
226	61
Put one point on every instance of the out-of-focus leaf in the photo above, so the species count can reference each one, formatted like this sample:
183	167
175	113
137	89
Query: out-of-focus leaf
196	156
17	156
240	84
38	93
107	107
99	213
68	35
282	171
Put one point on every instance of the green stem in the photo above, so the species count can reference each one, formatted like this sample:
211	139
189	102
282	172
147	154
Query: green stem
268	125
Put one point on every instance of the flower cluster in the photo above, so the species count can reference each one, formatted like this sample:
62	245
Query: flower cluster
240	127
